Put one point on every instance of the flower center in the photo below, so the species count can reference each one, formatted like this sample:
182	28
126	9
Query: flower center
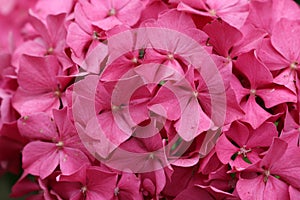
253	92
243	151
116	108
134	60
170	56
267	173
195	94
95	35
116	191
50	50
60	144
294	65
57	93
212	12
83	189
112	12
151	155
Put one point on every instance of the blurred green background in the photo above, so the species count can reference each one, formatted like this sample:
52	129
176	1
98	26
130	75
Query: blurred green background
6	182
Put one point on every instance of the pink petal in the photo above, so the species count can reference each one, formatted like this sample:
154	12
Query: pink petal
38	74
38	126
94	57
77	39
285	39
193	120
65	127
287	78
56	28
71	160
40	27
294	193
267	13
271	57
165	104
27	103
40	158
133	6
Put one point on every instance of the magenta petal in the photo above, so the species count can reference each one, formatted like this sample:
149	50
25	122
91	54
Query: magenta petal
255	71
276	95
276	189
255	115
222	36
240	164
100	183
225	149
128	187
275	152
239	133
68	190
289	123
40	158
251	40
193	193
288	165
248	189
286	40
263	135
